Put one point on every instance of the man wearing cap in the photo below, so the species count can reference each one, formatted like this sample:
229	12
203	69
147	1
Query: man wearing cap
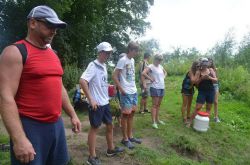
94	82
32	94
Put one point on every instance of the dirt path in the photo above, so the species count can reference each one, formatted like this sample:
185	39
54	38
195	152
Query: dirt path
78	149
77	145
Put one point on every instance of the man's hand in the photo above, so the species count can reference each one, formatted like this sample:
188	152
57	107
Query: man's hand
93	104
24	150
76	124
122	92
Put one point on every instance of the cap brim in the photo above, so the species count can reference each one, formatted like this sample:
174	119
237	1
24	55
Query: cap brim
108	50
58	23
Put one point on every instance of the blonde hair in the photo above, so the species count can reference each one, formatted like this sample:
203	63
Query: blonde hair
158	57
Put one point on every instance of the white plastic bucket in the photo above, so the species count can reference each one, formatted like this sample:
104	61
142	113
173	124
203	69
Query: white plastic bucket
201	122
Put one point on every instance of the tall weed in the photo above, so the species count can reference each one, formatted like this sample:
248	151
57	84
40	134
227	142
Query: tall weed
71	75
235	81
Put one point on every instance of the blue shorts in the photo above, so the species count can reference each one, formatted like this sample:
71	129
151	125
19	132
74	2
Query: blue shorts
205	96
127	102
156	92
101	114
48	140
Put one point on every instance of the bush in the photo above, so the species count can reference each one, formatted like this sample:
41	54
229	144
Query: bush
71	76
235	81
177	67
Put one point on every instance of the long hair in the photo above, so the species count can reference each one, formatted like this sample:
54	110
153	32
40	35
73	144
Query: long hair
194	67
212	65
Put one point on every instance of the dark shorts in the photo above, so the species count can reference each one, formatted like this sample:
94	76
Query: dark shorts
187	92
102	114
157	92
48	140
205	96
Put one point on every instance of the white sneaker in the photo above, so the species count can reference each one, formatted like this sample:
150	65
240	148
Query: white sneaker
155	126
216	120
161	122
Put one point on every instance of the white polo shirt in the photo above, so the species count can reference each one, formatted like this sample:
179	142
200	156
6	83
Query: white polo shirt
97	77
127	75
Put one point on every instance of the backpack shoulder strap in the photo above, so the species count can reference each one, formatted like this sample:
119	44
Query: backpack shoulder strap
23	50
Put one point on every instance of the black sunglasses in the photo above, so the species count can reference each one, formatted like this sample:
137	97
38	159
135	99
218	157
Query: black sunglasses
47	24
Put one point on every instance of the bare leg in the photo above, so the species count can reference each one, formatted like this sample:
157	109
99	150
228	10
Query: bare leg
109	136
142	104
208	108
145	103
92	141
130	125
184	106
124	121
189	103
216	104
154	108
158	108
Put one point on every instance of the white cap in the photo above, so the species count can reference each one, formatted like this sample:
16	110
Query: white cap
104	46
204	59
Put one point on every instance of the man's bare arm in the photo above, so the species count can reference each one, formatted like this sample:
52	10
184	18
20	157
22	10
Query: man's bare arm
10	72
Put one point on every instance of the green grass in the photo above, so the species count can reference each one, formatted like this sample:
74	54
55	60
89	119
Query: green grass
226	143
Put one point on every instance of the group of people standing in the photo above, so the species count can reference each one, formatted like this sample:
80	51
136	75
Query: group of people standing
201	75
32	94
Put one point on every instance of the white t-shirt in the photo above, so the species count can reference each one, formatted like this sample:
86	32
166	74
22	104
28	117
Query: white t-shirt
97	77
158	74
127	74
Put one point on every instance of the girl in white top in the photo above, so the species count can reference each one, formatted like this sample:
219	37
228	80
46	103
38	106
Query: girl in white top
156	73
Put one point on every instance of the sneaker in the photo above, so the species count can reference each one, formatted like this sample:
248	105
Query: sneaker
115	151
155	126
93	161
216	120
161	122
141	112
135	140
146	110
128	144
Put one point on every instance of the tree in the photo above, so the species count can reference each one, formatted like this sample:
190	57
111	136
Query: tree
89	22
243	56
223	51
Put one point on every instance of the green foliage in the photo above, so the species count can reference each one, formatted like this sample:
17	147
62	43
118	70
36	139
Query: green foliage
177	67
71	76
243	56
236	81
223	51
89	22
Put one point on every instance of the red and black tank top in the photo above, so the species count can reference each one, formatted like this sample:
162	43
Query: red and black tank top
39	94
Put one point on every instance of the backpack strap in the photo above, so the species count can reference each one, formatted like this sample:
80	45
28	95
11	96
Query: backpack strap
23	50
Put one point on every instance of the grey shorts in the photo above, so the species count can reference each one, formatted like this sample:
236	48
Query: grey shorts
216	87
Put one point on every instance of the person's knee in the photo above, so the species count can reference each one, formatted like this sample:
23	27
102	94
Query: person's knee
124	116
109	128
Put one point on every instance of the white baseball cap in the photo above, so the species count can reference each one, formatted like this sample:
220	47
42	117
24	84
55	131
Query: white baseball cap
104	46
